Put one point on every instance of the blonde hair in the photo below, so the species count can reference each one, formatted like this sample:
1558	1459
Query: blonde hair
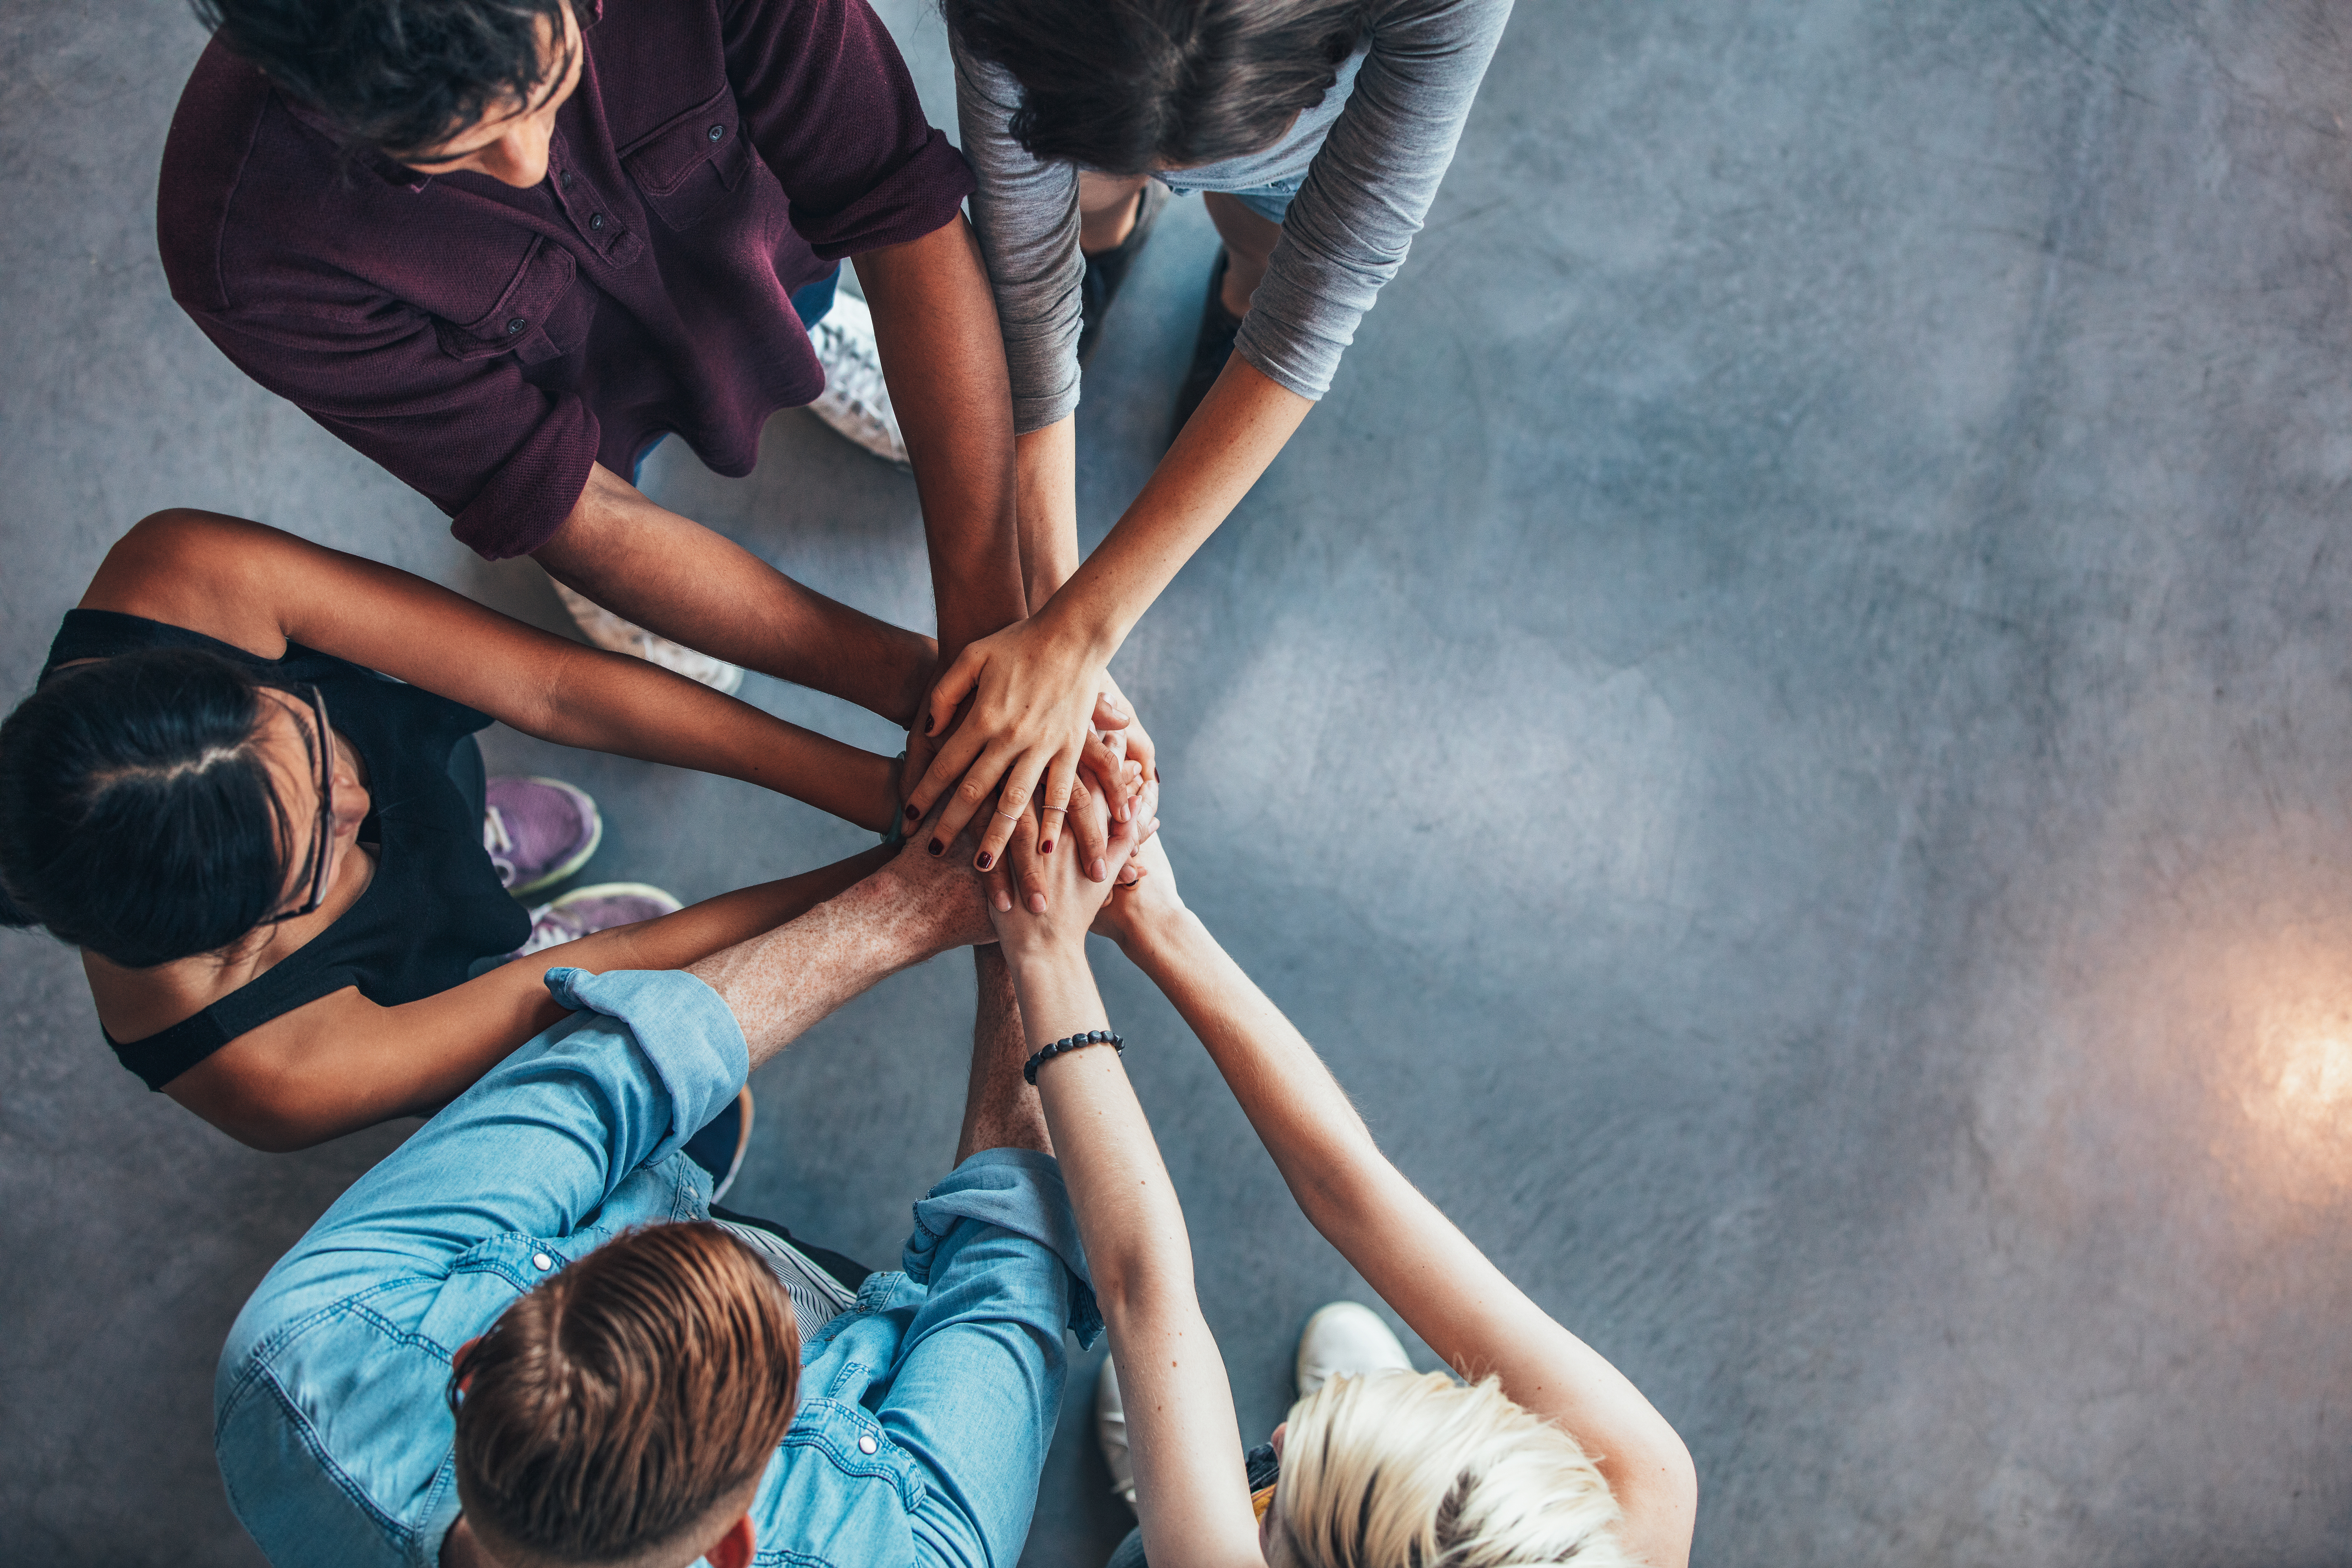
1404	1469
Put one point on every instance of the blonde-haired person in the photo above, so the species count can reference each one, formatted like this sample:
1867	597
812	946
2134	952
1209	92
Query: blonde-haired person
1548	1454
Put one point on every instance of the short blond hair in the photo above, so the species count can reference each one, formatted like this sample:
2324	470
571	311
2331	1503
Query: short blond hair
1401	1469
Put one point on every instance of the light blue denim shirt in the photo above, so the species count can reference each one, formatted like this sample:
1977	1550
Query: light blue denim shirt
925	1410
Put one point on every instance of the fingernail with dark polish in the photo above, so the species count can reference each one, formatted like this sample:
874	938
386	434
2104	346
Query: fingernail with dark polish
937	847
1047	848
912	813
985	860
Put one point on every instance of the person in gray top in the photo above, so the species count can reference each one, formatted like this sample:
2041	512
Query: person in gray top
1319	131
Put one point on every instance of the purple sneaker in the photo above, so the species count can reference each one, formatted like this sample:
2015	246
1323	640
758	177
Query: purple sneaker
583	911
538	831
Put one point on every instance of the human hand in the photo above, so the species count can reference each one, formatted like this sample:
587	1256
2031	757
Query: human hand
1032	695
1057	909
1150	898
1141	749
940	892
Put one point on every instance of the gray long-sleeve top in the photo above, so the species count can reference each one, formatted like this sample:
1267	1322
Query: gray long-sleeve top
1372	153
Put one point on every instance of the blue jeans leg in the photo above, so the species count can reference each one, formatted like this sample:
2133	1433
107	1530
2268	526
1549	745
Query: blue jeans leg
812	301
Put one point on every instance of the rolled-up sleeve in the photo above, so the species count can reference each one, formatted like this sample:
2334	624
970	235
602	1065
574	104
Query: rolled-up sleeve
828	102
507	460
1349	228
1025	210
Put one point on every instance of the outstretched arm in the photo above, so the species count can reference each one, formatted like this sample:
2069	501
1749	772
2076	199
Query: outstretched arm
1420	1264
1189	1485
257	588
1032	685
342	1062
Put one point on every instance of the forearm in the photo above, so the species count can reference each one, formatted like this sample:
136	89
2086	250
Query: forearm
676	577
935	327
1181	1427
1047	461
1237	431
630	708
342	1063
780	983
1463	1307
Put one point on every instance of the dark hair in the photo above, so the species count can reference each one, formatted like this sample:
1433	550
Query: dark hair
136	817
395	75
608	1410
1132	85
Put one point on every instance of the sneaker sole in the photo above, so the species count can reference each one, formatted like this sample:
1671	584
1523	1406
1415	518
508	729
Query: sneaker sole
622	891
565	868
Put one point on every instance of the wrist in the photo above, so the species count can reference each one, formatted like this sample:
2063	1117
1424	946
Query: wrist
1075	631
1155	939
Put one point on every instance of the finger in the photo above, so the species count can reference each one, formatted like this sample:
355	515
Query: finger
999	880
1052	819
1140	749
1110	714
955	759
1061	777
1030	869
1012	804
966	805
920	750
961	677
1021	862
1103	760
1089	825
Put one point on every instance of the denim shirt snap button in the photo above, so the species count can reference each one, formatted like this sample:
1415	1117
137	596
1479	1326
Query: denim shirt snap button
866	1444
541	1261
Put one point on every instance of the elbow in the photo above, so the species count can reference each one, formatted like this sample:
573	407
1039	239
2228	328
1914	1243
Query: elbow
272	1130
260	1115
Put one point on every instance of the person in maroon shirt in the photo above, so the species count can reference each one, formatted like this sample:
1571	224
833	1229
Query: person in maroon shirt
502	247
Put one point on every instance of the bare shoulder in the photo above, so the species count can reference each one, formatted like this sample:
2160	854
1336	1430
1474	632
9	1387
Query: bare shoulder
199	570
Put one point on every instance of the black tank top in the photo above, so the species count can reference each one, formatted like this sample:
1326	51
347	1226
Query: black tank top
434	905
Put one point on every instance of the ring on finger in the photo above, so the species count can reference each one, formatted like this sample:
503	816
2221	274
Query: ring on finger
1012	815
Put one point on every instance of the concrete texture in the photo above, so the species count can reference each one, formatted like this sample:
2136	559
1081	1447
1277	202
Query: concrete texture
1785	727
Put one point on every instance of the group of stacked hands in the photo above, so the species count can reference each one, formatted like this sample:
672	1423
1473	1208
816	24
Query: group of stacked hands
504	248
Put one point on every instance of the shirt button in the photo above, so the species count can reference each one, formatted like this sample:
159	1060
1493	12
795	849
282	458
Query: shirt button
866	1444
564	179
541	1261
718	133
595	220
517	324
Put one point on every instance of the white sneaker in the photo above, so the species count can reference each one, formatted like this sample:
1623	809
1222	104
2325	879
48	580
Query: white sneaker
1110	1431
610	633
1345	1340
857	400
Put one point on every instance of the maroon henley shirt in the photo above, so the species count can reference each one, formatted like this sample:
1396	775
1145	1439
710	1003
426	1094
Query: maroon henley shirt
488	344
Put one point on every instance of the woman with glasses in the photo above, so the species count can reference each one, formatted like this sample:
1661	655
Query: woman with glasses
284	870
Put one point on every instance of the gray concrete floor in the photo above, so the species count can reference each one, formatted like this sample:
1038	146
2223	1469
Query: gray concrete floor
1785	727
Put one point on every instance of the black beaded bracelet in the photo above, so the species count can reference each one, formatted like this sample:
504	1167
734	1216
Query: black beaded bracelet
1072	1043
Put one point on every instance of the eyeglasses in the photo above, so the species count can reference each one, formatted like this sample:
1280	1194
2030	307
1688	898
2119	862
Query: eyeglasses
323	839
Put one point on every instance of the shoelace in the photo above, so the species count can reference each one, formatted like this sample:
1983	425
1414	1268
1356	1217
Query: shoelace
495	839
